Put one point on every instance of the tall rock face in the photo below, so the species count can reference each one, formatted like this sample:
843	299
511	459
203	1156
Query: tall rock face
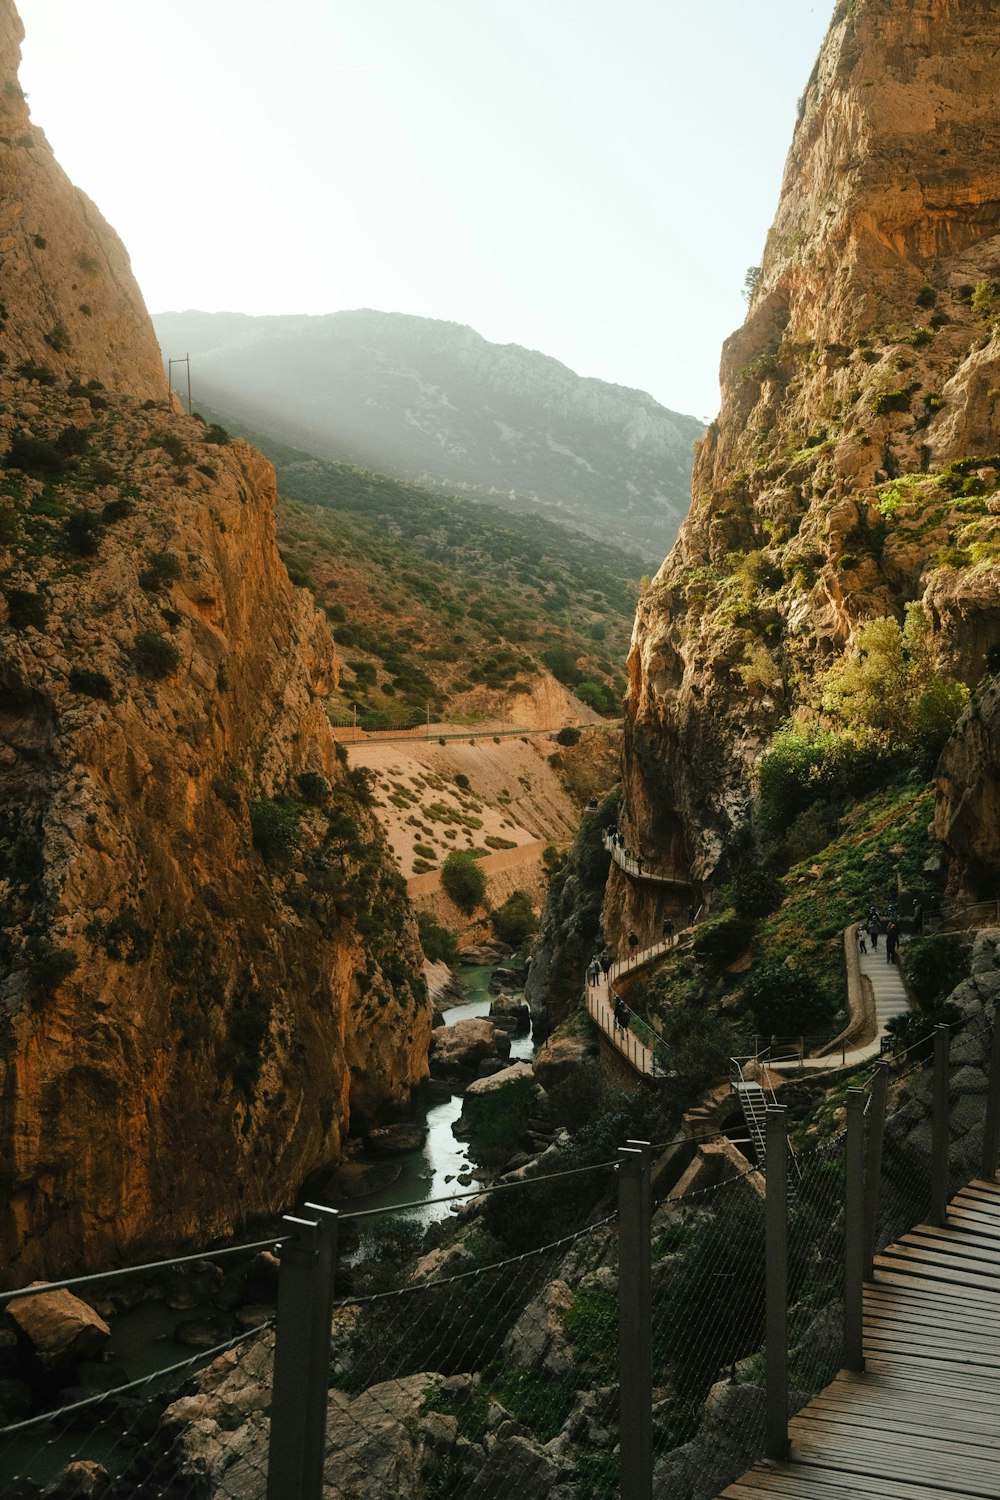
208	967
68	300
854	463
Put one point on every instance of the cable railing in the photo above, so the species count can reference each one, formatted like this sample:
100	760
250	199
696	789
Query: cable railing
611	1339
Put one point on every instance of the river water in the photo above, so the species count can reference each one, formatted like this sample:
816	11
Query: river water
433	1171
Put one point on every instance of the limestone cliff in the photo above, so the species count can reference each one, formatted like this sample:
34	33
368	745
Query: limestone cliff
854	463
207	966
68	300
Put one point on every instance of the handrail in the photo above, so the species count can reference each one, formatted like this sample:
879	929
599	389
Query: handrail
635	866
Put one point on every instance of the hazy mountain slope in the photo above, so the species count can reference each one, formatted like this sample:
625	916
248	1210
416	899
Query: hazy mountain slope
425	399
451	601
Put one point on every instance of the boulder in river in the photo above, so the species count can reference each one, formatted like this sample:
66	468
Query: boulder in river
506	979
390	1140
561	1057
457	1051
59	1329
81	1480
512	1014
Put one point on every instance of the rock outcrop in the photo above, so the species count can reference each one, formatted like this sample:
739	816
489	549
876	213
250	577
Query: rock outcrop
68	300
854	464
208	967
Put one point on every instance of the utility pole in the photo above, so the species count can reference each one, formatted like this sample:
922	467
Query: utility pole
170	376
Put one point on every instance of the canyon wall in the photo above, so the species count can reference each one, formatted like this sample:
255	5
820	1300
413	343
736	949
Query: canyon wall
854	464
208	966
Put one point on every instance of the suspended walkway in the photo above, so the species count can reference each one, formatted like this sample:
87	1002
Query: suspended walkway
638	869
637	1041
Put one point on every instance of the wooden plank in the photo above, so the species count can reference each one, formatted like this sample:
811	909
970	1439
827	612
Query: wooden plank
814	1482
945	1242
873	1424
851	1434
979	1289
939	1265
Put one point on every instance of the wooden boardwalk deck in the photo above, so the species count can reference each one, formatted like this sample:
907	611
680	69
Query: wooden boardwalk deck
923	1420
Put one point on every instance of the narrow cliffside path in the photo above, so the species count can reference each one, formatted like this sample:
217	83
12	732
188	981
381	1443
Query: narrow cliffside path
600	1001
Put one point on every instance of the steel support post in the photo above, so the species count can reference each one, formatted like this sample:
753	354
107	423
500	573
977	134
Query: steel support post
854	1253
940	1132
635	1355
302	1356
776	1281
873	1162
991	1130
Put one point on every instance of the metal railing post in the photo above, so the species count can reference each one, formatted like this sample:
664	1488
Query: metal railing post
873	1162
854	1254
991	1130
635	1354
302	1356
940	1132
776	1283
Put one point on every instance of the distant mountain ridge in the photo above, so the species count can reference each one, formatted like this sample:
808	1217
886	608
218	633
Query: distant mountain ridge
429	400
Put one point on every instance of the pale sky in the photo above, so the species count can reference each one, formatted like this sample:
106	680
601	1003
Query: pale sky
590	178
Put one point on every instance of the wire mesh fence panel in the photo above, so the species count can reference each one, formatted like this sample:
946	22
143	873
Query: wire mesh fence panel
816	1270
483	1381
708	1337
152	1437
905	1189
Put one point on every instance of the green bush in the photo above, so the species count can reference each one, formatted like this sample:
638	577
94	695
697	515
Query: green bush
568	736
274	824
90	682
784	1001
437	942
315	789
722	939
515	922
462	780
35	456
161	568
83	533
935	965
217	435
118	509
10	526
26	608
154	655
464	881
597	696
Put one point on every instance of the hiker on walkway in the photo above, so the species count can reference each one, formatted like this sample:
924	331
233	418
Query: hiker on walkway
621	1014
891	942
638	864
874	928
633	940
606	963
668	929
862	938
918	917
594	972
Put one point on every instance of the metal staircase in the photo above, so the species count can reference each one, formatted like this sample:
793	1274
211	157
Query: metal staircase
754	1101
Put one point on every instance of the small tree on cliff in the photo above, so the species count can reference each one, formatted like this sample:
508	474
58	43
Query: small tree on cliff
464	881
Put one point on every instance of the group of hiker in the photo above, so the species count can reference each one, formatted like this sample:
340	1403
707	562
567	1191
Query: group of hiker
615	840
871	928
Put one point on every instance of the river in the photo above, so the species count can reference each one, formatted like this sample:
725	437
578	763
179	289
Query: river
432	1172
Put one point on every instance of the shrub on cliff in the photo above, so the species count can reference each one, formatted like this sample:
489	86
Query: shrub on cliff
90	682
437	942
464	881
161	568
25	608
83	530
153	655
784	1001
722	939
568	736
515	922
274	824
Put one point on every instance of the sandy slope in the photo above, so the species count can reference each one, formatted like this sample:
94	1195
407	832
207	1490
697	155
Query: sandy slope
513	795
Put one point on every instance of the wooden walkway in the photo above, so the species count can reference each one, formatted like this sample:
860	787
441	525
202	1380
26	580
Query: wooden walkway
923	1420
600	1006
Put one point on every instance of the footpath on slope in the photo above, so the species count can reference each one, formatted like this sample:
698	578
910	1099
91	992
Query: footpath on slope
600	1006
